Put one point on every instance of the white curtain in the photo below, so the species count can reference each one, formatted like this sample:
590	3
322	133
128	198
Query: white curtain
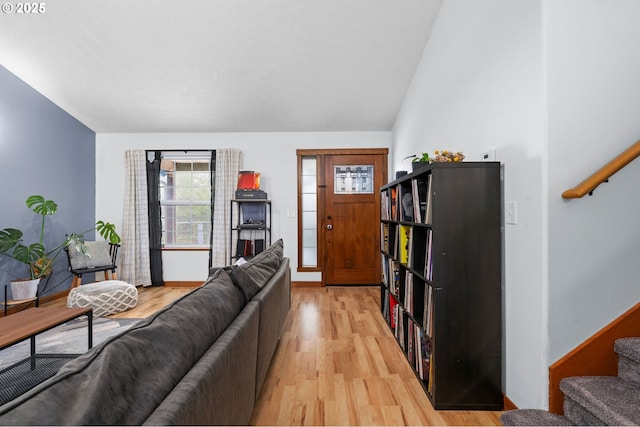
134	253
227	167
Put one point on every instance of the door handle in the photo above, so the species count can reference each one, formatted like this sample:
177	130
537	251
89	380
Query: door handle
329	226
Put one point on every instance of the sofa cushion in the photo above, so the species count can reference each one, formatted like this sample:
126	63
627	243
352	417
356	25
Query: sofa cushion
99	255
123	380
220	388
251	276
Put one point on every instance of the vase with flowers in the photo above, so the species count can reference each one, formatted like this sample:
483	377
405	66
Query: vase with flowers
448	156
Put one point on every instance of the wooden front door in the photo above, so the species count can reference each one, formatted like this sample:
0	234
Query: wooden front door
350	220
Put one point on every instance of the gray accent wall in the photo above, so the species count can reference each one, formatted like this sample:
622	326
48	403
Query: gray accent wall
45	151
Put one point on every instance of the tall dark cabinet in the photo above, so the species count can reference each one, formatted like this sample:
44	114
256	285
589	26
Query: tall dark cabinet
441	290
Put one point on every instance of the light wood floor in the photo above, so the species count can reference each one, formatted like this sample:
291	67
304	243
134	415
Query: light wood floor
336	364
150	300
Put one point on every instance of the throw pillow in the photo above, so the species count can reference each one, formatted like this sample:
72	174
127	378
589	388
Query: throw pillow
99	256
251	276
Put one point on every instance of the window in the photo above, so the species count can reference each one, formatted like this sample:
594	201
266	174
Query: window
186	181
353	179
309	238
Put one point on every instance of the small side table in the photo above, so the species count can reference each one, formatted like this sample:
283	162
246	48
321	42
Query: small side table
18	302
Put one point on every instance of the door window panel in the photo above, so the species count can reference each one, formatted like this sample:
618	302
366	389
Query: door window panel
353	179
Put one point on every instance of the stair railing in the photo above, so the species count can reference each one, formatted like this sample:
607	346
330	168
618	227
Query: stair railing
603	174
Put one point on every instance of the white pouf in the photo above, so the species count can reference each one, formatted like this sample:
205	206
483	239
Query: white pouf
105	298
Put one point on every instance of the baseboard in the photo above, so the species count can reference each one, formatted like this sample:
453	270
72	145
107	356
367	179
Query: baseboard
43	299
180	284
507	404
595	356
306	284
53	297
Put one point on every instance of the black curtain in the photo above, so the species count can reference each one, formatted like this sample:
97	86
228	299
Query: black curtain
155	222
212	168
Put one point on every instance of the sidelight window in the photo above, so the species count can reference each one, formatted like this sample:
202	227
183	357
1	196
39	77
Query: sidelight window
309	208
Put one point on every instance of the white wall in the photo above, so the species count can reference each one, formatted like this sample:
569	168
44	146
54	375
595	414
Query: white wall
553	86
594	242
272	154
480	85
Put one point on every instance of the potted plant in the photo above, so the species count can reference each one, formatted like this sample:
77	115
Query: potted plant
35	256
420	161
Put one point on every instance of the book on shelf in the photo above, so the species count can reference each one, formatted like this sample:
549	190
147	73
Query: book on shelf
428	216
394	275
243	248
406	203
396	241
410	344
428	263
427	315
258	246
400	328
385	210
393	237
403	244
393	310
417	352
385	306
430	379
419	192
384	274
393	202
425	355
417	349
410	248
408	292
384	237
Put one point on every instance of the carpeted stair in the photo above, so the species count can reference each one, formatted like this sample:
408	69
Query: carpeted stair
594	400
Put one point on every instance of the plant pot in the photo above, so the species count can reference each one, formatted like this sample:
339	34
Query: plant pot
418	165
24	288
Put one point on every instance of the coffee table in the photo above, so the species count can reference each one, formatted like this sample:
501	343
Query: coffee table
31	371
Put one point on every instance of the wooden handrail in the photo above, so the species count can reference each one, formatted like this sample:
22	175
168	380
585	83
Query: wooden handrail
604	173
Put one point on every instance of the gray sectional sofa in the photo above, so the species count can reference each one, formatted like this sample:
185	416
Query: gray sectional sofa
201	361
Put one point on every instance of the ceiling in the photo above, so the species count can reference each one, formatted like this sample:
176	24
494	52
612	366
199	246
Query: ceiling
221	65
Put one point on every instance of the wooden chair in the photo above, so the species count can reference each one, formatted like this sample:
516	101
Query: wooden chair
103	257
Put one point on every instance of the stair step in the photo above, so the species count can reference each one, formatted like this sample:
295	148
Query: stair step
628	350
533	417
628	347
601	401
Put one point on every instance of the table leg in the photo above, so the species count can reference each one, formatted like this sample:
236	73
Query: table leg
33	352
90	326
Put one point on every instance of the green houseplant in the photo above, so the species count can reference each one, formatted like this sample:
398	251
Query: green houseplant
420	161
423	158
36	256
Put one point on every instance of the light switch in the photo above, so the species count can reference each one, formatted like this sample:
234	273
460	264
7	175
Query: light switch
511	213
489	156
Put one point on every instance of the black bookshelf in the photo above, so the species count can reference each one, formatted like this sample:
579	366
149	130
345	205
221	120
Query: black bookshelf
250	227
442	269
